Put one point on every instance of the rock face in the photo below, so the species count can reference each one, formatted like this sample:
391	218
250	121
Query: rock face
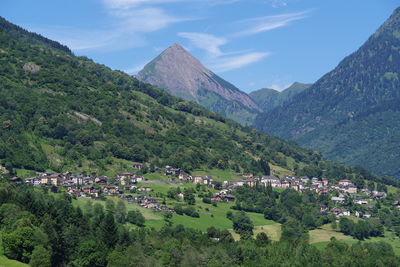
31	67
352	113
178	72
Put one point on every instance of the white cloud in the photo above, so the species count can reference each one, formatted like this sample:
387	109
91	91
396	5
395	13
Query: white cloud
135	69
207	42
145	19
263	24
236	62
277	3
135	3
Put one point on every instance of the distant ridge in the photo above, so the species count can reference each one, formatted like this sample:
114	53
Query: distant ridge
268	99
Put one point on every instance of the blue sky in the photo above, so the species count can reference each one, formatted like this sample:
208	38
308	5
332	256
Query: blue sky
251	43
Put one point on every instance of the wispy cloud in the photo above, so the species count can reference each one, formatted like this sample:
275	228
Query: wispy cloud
236	62
277	3
217	59
207	42
263	24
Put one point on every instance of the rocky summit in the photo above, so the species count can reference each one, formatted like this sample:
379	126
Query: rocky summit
180	73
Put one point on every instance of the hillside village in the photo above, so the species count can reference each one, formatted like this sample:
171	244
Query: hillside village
135	188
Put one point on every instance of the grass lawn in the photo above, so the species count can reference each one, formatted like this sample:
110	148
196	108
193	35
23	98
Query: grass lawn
216	217
23	173
156	176
279	171
323	235
164	187
273	231
5	262
218	175
390	238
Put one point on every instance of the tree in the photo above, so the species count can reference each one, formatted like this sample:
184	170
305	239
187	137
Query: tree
264	167
346	226
90	254
120	211
108	231
167	218
19	244
242	223
41	257
110	206
262	239
135	217
189	198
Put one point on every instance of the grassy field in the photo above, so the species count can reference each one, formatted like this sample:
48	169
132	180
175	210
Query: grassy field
5	262
323	235
209	215
218	175
156	176
390	238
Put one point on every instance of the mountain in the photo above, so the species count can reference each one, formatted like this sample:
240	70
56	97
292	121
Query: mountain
352	113
60	112
268	99
181	74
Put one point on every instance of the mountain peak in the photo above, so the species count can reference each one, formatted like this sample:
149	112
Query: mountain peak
180	73
176	46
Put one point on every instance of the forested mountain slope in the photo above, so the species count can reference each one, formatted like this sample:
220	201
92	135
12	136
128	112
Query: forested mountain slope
65	113
352	113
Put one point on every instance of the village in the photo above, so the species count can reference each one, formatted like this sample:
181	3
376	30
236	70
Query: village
135	188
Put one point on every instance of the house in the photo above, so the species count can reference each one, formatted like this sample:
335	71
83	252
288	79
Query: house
137	166
362	202
351	189
247	175
16	180
54	179
376	194
304	179
144	189
285	184
229	198
171	171
271	180
367	216
111	189
337	199
198	179
325	182
344	182
88	189
345	213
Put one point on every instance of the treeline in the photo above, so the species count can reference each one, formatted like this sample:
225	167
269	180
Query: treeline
361	229
289	207
46	230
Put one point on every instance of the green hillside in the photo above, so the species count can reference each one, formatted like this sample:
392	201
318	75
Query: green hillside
351	114
65	113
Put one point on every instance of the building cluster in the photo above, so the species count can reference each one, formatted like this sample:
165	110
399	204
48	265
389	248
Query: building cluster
303	183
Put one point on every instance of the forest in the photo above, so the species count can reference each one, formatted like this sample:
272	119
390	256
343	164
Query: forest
47	230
